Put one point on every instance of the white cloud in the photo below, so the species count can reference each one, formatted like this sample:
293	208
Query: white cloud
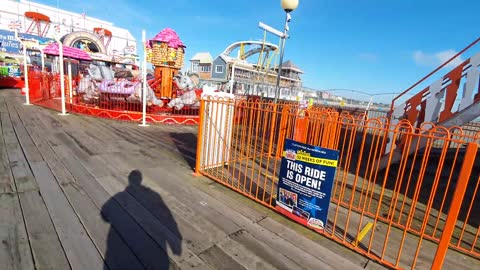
436	59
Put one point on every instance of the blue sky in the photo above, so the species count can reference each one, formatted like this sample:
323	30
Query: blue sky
375	46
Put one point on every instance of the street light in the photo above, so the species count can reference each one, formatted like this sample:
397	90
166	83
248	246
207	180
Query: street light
288	6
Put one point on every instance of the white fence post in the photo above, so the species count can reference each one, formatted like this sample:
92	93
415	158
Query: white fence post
62	78
42	56
70	84
144	79
25	68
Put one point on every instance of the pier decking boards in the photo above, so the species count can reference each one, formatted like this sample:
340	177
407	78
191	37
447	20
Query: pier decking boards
70	198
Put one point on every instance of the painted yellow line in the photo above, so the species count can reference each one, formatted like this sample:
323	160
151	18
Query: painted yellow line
362	233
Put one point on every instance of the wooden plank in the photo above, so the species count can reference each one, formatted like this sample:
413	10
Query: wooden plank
66	155
169	241
106	240
218	259
45	245
6	180
197	235
80	251
142	245
17	161
114	250
15	248
251	254
215	209
38	132
159	141
335	256
47	250
101	131
23	137
177	185
243	244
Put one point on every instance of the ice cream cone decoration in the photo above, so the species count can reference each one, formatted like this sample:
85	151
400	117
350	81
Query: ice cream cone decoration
167	49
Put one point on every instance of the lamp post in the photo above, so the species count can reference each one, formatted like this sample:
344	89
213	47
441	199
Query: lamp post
288	6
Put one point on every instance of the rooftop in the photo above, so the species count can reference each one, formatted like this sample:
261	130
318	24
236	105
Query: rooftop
290	65
203	57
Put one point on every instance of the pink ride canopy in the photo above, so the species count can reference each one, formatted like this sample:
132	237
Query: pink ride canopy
169	36
68	51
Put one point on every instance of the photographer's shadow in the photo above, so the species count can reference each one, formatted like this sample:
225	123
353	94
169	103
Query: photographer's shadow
153	202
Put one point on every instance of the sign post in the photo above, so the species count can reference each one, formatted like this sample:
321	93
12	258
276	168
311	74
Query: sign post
305	183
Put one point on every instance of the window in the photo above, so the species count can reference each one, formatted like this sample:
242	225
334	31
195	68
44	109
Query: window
194	66
218	69
207	68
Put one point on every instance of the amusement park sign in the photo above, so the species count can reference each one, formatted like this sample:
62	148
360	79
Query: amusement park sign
305	183
9	44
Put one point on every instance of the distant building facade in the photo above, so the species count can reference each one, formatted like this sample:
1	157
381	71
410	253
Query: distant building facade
241	77
249	79
201	64
100	38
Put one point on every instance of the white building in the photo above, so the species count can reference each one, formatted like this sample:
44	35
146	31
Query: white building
76	29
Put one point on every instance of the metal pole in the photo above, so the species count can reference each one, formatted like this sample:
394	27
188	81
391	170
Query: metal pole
144	78
456	204
42	56
282	50
25	68
368	107
232	79
62	78
70	85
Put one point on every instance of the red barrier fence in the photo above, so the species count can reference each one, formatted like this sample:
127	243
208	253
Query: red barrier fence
45	91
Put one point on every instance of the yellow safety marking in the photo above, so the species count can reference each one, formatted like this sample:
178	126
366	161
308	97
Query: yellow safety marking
362	233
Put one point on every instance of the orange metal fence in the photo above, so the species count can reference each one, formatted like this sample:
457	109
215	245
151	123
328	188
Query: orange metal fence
406	196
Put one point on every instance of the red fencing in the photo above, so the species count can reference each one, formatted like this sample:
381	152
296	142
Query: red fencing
45	91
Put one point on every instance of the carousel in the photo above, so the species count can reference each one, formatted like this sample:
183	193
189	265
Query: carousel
171	97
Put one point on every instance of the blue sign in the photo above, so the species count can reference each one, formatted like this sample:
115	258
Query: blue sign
305	183
9	44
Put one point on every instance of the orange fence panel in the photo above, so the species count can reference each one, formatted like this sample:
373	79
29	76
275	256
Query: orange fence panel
389	207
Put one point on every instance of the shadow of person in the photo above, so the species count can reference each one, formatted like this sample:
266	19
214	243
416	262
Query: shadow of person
148	252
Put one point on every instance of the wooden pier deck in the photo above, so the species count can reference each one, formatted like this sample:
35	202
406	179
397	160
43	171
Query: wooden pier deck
85	193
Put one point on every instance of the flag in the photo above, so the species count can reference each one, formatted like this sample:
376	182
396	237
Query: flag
15	25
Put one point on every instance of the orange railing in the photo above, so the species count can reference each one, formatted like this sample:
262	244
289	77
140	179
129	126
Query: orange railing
409	202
